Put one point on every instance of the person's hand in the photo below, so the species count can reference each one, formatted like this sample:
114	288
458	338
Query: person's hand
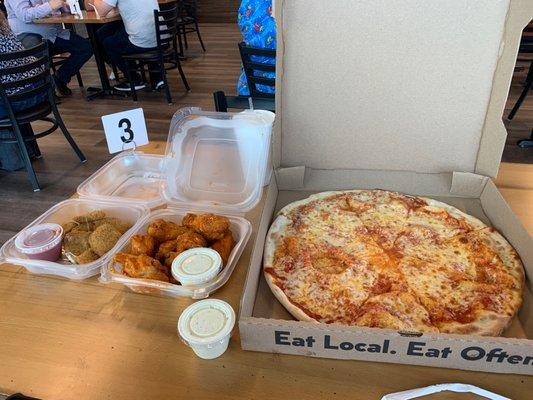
57	4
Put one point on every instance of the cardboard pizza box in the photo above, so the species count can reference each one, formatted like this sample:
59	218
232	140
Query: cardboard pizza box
405	96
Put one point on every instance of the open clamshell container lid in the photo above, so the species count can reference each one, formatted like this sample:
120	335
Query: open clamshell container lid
130	177
217	161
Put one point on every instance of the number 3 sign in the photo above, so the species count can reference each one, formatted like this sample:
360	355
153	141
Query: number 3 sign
125	130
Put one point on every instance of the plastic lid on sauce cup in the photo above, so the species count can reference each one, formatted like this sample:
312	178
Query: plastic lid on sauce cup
39	239
206	327
196	266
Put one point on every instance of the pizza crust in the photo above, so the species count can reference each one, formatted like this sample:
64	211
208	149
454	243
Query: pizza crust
490	324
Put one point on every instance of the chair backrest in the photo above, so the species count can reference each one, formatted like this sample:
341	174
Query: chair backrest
223	102
166	26
188	8
36	66
251	67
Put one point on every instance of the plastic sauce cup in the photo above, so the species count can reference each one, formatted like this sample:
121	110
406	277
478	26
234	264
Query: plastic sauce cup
196	266
206	327
41	242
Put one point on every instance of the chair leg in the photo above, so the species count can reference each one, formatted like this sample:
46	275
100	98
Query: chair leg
132	84
26	158
34	144
80	80
521	99
183	78
180	43
67	135
199	36
185	37
115	71
163	73
143	72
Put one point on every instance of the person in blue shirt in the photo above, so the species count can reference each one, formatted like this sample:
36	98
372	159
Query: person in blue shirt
258	29
20	15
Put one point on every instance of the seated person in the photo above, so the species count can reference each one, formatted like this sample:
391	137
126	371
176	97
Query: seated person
10	158
21	14
135	36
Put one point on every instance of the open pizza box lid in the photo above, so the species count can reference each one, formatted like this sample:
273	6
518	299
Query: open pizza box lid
398	86
217	161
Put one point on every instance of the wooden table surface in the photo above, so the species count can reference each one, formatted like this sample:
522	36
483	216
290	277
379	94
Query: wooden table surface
62	339
89	17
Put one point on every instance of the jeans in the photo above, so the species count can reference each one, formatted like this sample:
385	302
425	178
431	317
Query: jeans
23	104
80	52
116	43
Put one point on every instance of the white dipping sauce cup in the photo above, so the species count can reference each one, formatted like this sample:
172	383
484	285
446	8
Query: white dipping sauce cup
196	266
206	327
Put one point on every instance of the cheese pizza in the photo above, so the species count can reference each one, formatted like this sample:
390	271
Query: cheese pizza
383	259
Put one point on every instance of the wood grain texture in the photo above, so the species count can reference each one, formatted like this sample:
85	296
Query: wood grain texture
218	10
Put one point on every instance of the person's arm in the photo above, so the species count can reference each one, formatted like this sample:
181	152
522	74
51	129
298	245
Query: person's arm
103	7
26	12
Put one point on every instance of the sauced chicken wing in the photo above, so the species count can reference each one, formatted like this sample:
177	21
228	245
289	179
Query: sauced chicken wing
165	248
188	241
211	226
142	266
224	247
143	244
163	231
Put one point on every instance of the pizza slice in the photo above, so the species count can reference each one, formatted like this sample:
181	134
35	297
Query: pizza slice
395	310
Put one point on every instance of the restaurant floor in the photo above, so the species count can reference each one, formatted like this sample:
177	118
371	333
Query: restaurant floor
59	171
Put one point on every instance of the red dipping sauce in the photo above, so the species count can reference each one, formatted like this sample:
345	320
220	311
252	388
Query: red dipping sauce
41	242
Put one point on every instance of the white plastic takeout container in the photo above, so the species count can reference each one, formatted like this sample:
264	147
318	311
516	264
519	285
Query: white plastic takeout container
131	177
62	213
206	327
214	163
112	271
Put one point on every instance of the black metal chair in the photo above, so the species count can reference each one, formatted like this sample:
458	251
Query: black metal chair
38	60
166	30
188	23
223	102
251	67
526	46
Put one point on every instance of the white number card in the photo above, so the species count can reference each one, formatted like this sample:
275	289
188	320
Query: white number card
125	130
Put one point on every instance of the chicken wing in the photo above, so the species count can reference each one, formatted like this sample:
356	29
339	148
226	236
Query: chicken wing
211	226
165	248
163	231
224	247
141	266
143	244
188	241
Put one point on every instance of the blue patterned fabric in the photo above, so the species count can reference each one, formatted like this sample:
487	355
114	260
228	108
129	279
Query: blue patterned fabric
258	29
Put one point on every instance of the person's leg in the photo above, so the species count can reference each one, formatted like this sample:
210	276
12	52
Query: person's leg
80	52
108	30
118	45
29	40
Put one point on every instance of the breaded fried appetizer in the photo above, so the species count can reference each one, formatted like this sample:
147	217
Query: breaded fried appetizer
76	242
165	248
87	257
143	244
119	225
211	226
104	238
90	217
141	266
169	258
224	247
188	241
163	230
